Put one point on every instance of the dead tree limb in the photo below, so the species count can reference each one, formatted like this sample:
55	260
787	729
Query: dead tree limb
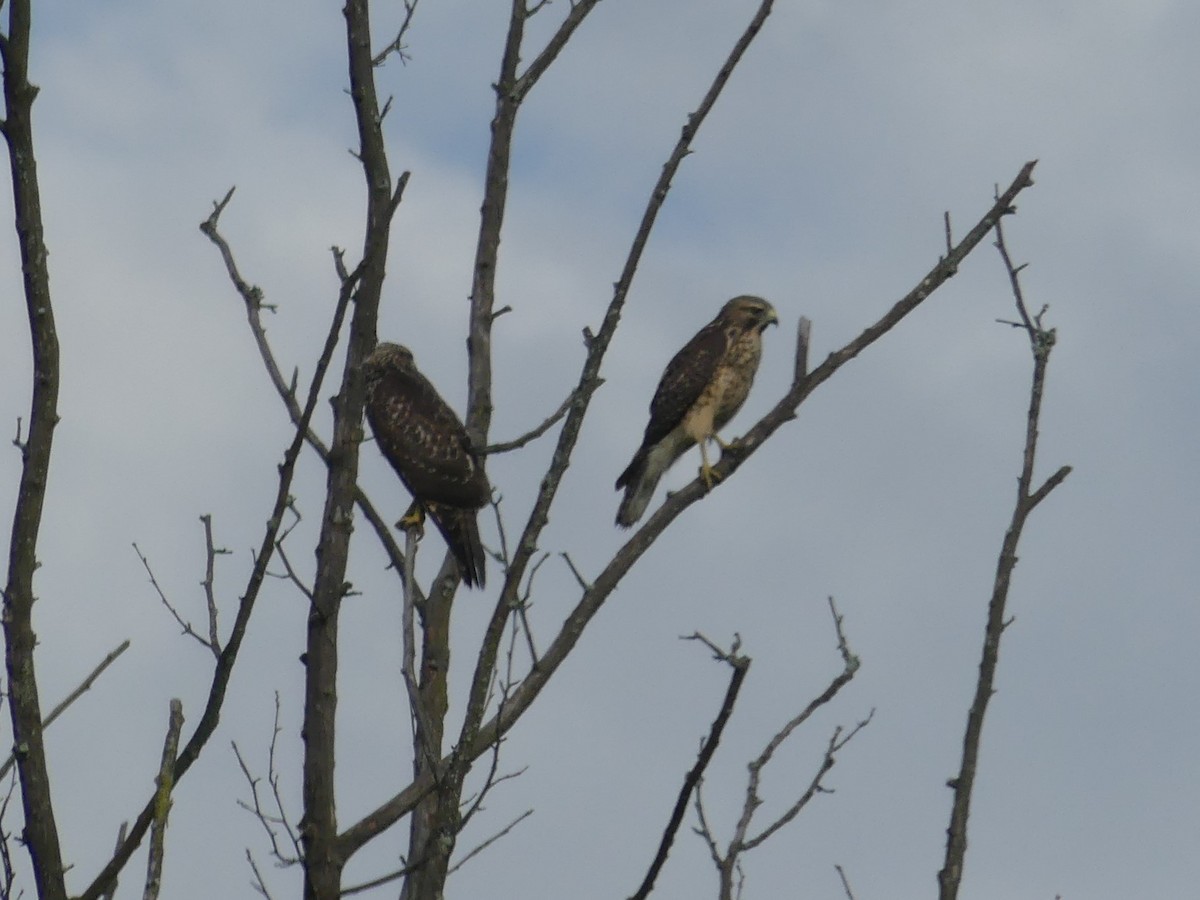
741	666
41	831
1041	341
728	861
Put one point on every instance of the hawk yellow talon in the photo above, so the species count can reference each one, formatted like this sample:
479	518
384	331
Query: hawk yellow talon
413	520
709	476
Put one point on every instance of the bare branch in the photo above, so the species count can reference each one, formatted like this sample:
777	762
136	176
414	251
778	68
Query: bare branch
753	801
841	872
705	830
740	665
112	888
83	688
495	837
162	802
397	45
728	863
504	686
1041	342
183	623
210	556
270	821
518	443
537	68
1050	484
383	879
258	884
836	743
289	570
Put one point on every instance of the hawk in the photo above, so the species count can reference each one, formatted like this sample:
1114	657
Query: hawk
428	446
704	385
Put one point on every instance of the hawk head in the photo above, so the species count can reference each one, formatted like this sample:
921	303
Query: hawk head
386	358
747	313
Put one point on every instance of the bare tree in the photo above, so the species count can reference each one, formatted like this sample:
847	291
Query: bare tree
509	672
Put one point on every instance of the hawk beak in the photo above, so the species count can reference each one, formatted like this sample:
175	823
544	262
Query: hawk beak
771	319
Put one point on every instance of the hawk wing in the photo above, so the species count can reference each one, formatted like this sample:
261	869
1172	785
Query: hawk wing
687	375
425	442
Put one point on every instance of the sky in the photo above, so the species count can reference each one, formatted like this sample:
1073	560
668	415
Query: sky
819	182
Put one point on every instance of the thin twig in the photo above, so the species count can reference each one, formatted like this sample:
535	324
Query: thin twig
185	625
210	555
289	570
84	687
397	44
258	884
495	837
279	818
836	743
518	443
841	872
579	579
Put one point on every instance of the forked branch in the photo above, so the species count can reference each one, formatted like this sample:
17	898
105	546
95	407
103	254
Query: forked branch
727	861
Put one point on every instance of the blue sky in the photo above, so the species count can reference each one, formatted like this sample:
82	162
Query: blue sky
819	182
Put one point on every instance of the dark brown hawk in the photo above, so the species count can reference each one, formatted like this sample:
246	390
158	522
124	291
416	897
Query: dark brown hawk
704	385
428	446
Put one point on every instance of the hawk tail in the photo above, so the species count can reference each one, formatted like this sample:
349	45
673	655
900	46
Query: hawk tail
640	479
460	528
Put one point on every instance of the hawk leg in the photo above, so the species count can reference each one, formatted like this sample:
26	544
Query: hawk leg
707	475
413	520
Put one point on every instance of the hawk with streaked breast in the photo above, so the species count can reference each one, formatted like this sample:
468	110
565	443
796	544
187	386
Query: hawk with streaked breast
703	387
427	445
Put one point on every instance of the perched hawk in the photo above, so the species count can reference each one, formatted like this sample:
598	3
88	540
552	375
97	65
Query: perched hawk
428	447
704	385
